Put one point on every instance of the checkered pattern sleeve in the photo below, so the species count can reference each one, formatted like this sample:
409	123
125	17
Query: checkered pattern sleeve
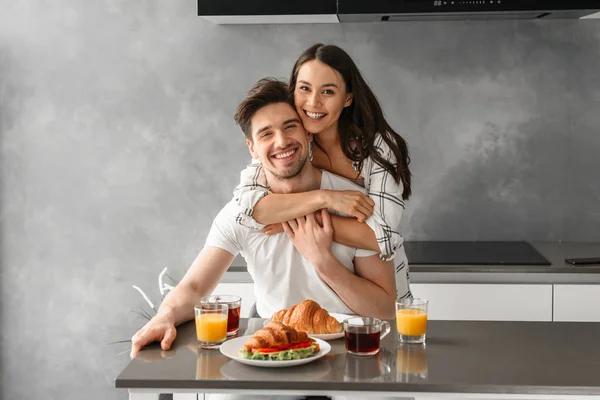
387	195
253	186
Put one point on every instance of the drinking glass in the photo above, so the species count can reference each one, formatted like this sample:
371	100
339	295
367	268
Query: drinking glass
411	362
211	324
411	320
363	335
233	315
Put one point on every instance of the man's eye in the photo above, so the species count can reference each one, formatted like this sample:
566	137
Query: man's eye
265	134
289	127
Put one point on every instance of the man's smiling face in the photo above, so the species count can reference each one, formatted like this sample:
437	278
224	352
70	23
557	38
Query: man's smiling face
279	140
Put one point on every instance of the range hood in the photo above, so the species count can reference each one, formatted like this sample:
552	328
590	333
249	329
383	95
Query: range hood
427	10
385	11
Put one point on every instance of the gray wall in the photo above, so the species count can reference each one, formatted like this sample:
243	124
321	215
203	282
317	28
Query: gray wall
118	147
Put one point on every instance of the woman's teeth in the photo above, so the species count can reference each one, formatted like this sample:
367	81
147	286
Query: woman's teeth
313	115
285	155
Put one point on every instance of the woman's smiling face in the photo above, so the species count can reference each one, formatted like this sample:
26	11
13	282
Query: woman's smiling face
320	96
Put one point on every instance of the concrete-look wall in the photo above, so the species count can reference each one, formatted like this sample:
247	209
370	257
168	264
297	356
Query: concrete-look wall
118	147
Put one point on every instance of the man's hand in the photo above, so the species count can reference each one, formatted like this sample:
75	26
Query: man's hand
312	240
351	202
272	229
159	329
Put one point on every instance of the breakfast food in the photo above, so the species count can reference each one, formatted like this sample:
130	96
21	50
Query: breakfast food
277	342
309	317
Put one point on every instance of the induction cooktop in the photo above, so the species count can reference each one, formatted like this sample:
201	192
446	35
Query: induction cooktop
473	253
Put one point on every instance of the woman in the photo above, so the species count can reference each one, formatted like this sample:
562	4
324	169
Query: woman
352	139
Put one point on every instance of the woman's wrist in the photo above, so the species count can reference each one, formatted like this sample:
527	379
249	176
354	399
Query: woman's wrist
325	198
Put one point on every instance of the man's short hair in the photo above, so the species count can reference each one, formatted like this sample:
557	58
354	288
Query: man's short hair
264	92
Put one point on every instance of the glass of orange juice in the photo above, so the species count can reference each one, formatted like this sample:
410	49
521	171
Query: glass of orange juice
411	320
211	324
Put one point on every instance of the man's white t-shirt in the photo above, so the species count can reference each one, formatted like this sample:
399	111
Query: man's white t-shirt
282	276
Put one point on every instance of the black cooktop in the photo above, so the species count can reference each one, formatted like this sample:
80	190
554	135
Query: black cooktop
473	253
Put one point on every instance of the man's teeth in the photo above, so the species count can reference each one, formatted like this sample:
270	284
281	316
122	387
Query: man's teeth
314	115
286	154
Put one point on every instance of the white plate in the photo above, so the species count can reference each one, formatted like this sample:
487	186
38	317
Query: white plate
231	349
332	336
328	336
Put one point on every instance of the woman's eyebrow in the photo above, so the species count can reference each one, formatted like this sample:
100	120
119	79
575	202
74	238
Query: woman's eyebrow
324	85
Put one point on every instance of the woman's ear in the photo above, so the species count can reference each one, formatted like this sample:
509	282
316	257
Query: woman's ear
309	137
349	99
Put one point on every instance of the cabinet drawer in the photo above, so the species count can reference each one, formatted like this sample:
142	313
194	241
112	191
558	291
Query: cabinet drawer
577	303
487	302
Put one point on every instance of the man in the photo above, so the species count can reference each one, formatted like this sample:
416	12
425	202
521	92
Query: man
286	269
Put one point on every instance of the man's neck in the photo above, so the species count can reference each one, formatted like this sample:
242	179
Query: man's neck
308	179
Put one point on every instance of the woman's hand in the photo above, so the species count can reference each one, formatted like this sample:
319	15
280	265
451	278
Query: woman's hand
272	229
312	240
350	202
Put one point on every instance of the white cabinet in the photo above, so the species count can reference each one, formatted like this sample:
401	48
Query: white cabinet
244	290
577	303
486	302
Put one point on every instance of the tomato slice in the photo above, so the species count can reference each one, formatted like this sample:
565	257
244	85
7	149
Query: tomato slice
283	347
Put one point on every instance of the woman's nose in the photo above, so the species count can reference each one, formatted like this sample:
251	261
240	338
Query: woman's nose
314	99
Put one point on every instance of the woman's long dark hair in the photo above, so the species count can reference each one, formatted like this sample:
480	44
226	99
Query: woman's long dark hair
361	120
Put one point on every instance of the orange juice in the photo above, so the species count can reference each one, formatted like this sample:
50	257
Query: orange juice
211	328
411	321
411	360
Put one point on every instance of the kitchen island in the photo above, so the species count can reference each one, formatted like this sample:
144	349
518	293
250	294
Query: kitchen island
462	359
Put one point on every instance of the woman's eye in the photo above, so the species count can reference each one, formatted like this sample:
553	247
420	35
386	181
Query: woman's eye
327	91
304	88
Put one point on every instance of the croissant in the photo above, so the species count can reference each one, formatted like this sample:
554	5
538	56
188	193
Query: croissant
275	334
308	316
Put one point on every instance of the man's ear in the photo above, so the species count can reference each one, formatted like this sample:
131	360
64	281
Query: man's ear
349	99
250	145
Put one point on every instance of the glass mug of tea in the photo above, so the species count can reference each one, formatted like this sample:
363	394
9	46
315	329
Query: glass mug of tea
234	304
363	335
211	325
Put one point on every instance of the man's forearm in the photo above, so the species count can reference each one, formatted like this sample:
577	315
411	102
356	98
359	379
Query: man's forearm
200	280
178	305
349	232
360	295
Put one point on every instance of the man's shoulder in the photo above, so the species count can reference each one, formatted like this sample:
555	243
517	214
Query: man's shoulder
229	215
335	182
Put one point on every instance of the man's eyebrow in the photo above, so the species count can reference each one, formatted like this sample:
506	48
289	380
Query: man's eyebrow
286	122
289	121
263	129
324	85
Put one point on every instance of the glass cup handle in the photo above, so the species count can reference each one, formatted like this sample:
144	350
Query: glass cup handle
386	330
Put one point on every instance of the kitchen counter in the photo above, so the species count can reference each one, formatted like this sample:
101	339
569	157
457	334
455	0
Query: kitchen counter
555	252
469	358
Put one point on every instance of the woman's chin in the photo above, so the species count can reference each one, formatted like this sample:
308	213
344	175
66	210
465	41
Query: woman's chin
313	126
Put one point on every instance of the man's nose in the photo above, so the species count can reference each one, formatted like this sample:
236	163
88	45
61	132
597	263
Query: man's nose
281	140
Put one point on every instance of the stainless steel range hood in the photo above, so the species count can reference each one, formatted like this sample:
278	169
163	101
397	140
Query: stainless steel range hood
334	11
428	10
